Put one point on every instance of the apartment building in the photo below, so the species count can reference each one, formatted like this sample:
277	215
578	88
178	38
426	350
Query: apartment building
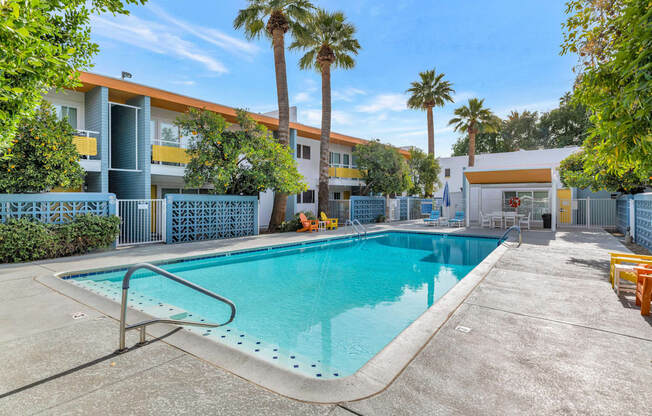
131	147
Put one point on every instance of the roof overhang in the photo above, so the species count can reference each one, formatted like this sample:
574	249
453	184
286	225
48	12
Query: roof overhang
485	177
121	91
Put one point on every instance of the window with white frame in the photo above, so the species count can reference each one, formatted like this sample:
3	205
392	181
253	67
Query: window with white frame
345	160
534	202
68	113
335	159
306	197
303	151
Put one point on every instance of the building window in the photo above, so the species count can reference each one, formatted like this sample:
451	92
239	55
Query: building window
306	152
68	113
335	159
354	161
345	160
308	197
447	172
303	151
337	195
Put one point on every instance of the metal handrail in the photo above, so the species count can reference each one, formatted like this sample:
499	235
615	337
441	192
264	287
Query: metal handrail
513	227
356	221
355	227
142	325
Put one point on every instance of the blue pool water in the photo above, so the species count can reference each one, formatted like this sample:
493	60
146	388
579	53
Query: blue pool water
322	309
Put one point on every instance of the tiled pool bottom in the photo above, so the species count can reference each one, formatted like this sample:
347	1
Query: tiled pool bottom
322	310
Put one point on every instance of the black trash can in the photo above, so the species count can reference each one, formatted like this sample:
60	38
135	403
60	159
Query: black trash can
547	220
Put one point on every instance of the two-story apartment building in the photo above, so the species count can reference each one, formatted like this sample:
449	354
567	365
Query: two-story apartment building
130	145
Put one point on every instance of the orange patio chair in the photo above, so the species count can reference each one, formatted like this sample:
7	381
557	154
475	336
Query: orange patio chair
308	225
644	289
626	259
331	223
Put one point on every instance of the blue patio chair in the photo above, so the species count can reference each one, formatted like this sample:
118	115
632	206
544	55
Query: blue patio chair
433	219
458	220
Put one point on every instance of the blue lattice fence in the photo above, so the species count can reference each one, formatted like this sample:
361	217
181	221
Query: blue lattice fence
55	207
366	209
210	217
403	209
622	213
643	220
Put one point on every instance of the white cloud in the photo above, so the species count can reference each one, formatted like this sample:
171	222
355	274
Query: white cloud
384	102
312	117
153	37
210	35
302	97
347	94
187	82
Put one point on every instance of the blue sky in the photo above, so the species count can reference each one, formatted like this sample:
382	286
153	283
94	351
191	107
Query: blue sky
505	51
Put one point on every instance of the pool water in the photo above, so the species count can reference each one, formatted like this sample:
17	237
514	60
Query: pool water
321	309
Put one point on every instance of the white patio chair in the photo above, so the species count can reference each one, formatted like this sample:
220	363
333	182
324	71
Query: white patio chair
497	220
485	220
510	219
525	220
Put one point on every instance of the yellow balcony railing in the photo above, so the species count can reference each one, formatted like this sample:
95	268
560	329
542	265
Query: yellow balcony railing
331	172
348	173
86	145
169	154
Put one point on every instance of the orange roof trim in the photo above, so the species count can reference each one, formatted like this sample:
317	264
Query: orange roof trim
121	91
509	176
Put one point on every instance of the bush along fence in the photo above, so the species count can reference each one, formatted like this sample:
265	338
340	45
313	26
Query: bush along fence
209	217
40	226
635	212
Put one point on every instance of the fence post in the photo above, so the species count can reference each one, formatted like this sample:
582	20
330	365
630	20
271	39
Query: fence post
256	228
588	212
168	219
632	218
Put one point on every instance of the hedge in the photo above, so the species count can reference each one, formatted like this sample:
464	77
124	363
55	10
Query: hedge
28	240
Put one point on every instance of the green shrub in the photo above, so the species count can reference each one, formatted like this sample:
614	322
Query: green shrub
28	240
295	223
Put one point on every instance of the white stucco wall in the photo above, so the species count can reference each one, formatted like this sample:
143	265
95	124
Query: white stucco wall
69	98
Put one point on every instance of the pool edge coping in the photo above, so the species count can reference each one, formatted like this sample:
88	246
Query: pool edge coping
372	378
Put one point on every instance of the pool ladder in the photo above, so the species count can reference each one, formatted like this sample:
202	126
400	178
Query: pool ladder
143	325
510	229
357	226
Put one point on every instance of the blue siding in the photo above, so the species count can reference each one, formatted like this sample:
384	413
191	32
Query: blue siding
96	110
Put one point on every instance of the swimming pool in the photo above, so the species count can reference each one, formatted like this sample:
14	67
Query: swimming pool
321	309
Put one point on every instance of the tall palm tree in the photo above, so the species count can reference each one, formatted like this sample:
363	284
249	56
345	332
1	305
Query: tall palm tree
471	119
430	91
282	16
328	41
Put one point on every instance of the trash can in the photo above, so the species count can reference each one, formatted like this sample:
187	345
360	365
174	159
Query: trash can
547	220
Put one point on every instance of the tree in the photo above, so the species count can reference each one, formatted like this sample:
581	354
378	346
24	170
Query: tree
614	42
567	125
574	171
243	161
493	142
282	16
41	156
384	170
424	172
471	119
328	40
520	130
43	45
430	91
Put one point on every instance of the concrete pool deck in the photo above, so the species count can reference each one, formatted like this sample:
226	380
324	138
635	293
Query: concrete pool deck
547	336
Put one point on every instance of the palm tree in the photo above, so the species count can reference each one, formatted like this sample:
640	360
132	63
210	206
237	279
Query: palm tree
328	40
282	16
431	91
471	119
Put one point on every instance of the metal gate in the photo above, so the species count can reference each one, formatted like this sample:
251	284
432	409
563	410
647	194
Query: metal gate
586	213
142	221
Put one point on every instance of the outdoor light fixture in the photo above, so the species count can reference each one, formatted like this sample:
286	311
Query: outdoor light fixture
126	74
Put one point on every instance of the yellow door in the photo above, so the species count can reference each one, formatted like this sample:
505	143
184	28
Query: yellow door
565	207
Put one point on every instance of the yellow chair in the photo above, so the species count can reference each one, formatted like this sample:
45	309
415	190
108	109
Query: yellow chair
627	259
331	223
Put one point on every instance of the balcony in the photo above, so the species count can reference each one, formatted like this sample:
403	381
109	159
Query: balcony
86	143
344	172
169	152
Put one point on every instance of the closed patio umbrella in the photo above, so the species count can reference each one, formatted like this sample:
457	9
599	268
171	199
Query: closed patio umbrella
446	199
